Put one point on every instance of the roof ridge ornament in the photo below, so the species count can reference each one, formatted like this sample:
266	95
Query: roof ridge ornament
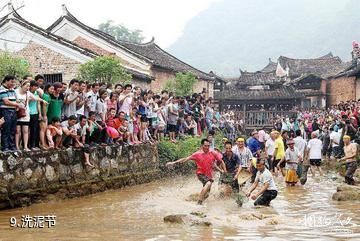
11	9
65	11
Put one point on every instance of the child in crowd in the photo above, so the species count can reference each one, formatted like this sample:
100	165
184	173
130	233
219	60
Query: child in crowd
54	132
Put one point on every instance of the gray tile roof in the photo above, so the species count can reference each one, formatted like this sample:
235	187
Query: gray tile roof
281	92
150	51
322	67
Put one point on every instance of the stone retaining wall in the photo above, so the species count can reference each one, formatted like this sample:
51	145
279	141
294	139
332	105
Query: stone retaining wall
42	175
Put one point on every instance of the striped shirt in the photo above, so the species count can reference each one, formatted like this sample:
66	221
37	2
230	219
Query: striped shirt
9	94
244	155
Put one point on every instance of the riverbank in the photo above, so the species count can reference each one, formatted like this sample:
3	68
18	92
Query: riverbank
42	176
39	176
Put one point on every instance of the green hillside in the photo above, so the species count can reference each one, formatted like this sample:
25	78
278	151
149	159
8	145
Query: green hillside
234	34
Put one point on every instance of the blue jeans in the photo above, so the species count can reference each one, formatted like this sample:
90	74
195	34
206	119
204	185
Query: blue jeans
8	129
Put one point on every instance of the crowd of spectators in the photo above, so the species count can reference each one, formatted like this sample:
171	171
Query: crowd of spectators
35	115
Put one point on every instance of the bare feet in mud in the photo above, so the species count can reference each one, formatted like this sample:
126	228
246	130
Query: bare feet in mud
89	164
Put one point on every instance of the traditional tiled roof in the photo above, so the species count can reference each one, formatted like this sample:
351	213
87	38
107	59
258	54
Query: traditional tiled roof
349	69
327	56
15	17
303	77
282	92
147	51
68	16
163	59
215	76
270	67
323	66
258	78
308	93
139	75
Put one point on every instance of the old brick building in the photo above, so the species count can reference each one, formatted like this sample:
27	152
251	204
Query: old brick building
258	90
309	76
57	58
45	52
283	85
344	86
147	58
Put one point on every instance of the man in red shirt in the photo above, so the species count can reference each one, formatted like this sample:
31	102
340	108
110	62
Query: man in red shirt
205	160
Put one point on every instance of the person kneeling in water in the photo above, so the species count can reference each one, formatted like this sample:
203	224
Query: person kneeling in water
205	160
268	189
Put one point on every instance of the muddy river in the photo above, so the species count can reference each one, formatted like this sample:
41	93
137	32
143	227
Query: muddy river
136	213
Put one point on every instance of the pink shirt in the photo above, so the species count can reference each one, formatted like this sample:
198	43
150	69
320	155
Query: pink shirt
205	162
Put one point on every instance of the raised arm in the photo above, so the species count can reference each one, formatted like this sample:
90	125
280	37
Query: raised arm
182	160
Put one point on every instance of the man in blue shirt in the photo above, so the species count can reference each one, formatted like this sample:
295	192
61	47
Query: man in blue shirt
232	163
253	143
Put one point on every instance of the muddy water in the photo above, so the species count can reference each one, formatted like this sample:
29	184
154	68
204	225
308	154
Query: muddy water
136	213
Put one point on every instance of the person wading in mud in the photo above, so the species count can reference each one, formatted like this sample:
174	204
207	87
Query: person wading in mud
205	160
268	189
232	163
351	150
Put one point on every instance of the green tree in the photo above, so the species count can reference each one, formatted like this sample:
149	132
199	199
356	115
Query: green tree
13	65
182	85
104	69
120	32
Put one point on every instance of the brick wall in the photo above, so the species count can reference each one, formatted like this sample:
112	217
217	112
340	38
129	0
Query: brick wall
340	89
141	83
208	85
89	45
100	51
161	77
43	60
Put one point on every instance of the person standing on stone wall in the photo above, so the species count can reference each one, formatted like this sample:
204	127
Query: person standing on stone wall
81	100
35	116
56	102
8	106
173	115
126	99
91	99
47	91
71	98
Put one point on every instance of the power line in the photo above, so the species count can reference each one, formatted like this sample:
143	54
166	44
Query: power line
13	41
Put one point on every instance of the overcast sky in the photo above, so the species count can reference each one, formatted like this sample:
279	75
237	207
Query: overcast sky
163	19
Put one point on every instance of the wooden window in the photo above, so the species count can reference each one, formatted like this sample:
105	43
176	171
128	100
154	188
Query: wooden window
52	78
